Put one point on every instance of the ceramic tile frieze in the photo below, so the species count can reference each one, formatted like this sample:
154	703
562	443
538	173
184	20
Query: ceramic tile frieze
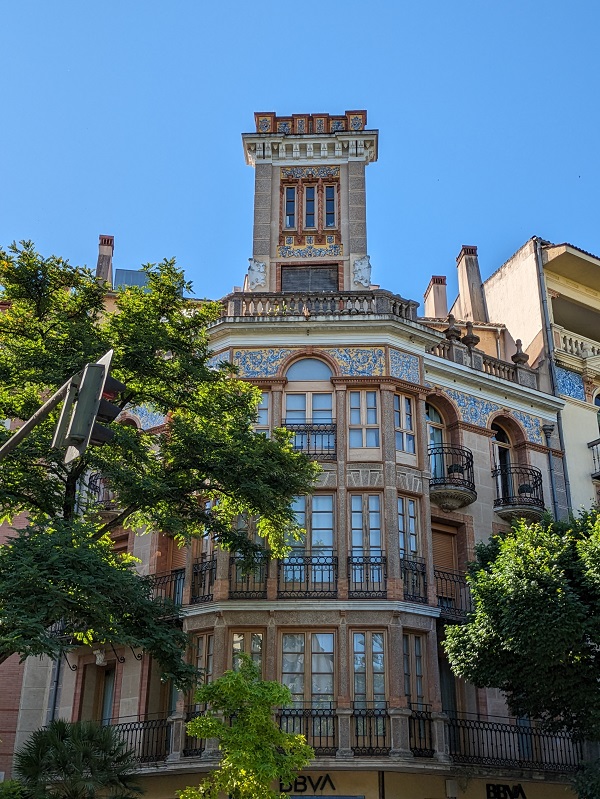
404	366
214	361
473	410
359	361
148	416
262	362
570	384
532	425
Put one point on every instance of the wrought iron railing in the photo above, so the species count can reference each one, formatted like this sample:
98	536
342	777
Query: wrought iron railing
317	724
518	486
203	580
99	493
595	447
414	578
307	576
371	734
248	585
169	585
318	303
193	747
420	730
451	466
367	576
150	739
315	439
511	744
453	594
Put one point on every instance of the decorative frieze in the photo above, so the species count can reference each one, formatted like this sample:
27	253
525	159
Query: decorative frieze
309	251
570	384
261	362
309	172
359	361
404	366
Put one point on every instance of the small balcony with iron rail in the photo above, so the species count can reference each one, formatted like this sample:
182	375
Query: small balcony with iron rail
414	578
452	483
314	438
317	721
149	739
367	576
314	575
453	594
371	729
519	492
248	584
99	494
594	446
203	580
169	585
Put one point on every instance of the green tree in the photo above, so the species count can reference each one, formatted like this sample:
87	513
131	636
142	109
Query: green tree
256	753
76	760
192	479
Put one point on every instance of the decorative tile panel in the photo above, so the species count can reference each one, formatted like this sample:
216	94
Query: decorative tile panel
214	361
259	363
570	384
356	122
337	125
287	251
284	127
264	124
532	425
148	416
473	410
320	125
404	366
299	172
359	361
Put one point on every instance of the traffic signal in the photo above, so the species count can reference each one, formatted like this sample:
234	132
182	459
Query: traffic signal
88	402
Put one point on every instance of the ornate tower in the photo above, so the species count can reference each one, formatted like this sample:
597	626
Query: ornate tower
310	231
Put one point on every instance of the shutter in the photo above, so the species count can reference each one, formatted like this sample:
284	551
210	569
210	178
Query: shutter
178	556
298	278
444	551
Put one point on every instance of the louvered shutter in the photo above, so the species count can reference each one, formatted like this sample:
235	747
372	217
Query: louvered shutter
444	551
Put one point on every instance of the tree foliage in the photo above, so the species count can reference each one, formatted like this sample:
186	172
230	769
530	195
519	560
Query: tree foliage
256	752
192	478
535	628
76	760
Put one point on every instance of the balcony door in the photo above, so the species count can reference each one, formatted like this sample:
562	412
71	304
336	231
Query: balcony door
308	407
435	438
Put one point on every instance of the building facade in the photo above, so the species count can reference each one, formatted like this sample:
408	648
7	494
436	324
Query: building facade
427	444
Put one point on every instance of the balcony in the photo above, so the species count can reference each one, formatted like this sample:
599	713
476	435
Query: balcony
203	580
100	495
574	344
452	483
367	577
595	447
414	577
169	585
193	747
453	594
305	304
518	492
317	724
420	730
370	732
248	585
149	739
505	743
308	576
315	439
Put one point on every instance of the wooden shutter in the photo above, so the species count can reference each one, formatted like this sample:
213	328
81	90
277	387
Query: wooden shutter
301	278
178	556
444	550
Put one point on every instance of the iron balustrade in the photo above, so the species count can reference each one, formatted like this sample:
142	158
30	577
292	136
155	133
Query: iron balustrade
203	580
193	747
451	466
510	744
169	585
595	447
420	730
453	594
371	732
367	576
99	493
250	585
318	724
414	578
315	439
518	486
149	739
308	576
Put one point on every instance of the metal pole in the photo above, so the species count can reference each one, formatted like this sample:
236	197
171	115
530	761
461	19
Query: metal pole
37	417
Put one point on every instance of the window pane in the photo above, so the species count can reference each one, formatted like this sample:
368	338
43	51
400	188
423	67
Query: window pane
293	643
322	642
372	437
355	439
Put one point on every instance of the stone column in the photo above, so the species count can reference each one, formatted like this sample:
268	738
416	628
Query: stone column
400	733
176	736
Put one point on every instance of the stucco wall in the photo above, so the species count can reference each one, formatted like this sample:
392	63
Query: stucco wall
580	427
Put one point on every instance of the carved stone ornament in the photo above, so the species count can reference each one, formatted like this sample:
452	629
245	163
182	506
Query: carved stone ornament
257	273
362	272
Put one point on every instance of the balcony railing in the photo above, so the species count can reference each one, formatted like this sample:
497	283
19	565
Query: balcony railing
367	576
453	594
420	730
510	744
149	739
170	585
595	447
318	303
250	585
452	481
99	493
308	576
203	580
371	734
518	491
317	724
574	344
414	577
193	747
315	439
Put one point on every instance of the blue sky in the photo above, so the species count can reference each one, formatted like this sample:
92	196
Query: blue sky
124	117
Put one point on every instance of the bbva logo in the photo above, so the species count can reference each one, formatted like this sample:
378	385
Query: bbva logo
495	791
302	783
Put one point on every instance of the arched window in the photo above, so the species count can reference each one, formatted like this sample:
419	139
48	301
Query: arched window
308	407
435	425
501	445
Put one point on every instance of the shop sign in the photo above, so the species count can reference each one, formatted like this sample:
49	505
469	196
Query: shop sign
496	791
304	783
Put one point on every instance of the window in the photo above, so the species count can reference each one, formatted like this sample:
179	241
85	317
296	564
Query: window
365	524
329	206
413	660
368	669
501	444
364	420
290	207
311	566
307	668
249	642
318	405
309	207
308	369
407	527
315	515
435	426
263	416
403	424
108	695
204	656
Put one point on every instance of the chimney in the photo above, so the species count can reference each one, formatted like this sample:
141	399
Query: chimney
470	289
436	304
106	247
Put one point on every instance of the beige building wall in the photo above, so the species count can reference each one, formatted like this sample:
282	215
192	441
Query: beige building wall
580	427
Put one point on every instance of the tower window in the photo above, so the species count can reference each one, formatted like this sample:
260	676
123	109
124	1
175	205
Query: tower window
329	206
290	207
309	219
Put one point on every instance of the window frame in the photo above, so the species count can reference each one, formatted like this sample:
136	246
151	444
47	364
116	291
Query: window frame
364	425
404	424
312	187
247	634
405	533
333	200
310	698
414	658
290	195
371	698
366	548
